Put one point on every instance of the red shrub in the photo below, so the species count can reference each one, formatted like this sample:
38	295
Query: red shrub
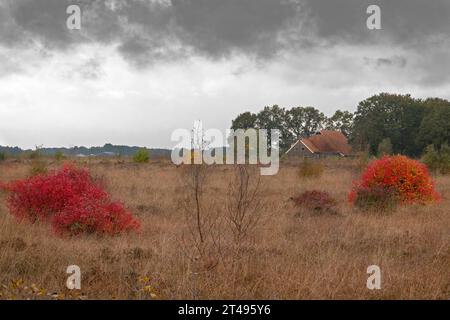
317	201
94	217
407	180
71	200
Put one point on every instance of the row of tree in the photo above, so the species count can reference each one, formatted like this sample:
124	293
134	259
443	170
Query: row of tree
407	124
293	124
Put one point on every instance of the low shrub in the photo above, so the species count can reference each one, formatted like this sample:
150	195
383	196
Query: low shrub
398	178
310	169
142	156
377	198
71	200
316	201
2	156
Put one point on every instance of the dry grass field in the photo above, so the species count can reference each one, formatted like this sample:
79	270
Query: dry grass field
289	254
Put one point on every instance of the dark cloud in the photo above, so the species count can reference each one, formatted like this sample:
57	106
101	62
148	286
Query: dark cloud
219	27
150	30
43	20
212	28
338	20
154	29
416	21
403	21
10	34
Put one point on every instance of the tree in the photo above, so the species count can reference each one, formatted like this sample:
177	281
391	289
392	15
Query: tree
246	120
304	121
409	124
435	126
341	121
437	160
275	118
392	116
314	121
295	121
293	124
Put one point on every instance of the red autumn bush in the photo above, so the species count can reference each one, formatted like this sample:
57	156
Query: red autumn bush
71	200
42	196
394	178
316	201
94	217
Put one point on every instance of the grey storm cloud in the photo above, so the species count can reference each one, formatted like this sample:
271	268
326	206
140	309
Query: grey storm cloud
402	20
149	30
218	27
45	20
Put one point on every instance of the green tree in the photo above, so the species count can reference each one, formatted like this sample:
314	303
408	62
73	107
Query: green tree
392	116
445	159
246	120
435	126
437	160
275	118
293	124
340	121
304	121
431	158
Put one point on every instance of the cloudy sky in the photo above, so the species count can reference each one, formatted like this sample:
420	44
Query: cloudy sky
139	69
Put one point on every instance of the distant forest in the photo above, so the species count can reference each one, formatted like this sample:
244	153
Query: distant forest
107	150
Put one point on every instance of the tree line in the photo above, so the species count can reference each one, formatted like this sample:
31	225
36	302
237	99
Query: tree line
293	124
404	124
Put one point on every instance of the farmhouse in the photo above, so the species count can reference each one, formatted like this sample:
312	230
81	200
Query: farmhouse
325	143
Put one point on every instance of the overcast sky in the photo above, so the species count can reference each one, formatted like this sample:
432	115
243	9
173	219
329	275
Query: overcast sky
137	70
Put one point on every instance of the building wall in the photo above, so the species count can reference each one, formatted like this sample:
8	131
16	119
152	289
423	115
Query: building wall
300	151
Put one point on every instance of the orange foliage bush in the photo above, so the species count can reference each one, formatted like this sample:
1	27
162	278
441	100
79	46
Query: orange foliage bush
408	179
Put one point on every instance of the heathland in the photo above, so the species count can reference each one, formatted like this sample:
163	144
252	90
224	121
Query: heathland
285	253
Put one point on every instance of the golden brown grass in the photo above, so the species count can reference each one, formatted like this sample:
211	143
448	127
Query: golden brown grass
290	255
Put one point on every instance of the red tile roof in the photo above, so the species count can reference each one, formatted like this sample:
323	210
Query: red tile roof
328	141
